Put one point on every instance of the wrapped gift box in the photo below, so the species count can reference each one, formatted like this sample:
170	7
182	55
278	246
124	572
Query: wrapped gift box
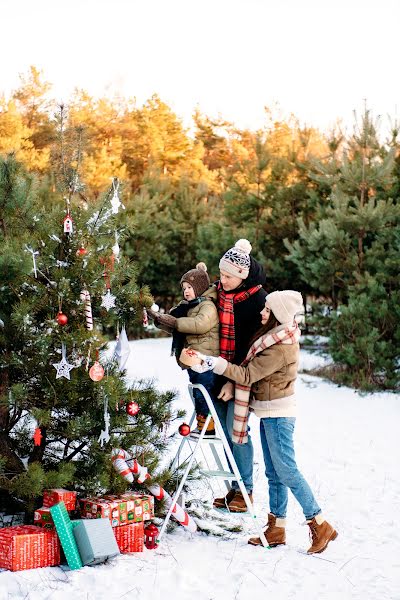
52	497
128	508
95	540
28	547
43	518
65	527
129	537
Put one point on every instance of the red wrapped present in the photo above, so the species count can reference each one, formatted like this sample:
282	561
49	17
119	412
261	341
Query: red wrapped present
129	537
43	518
28	547
128	508
52	497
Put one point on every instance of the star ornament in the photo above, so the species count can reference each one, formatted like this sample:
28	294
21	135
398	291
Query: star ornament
63	367
108	300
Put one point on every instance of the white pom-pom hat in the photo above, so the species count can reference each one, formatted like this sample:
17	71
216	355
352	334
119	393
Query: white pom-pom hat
236	261
285	304
198	278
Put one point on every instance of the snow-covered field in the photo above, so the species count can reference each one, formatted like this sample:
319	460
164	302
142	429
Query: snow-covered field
348	449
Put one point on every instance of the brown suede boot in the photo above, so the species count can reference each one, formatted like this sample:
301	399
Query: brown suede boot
321	533
275	532
238	504
223	502
210	431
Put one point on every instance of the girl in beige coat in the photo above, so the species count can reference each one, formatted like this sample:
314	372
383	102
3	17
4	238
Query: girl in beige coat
264	384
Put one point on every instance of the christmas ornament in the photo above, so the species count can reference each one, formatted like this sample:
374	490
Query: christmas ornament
68	222
37	437
62	319
115	248
34	254
96	372
145	319
115	201
63	367
81	251
184	429
132	408
150	536
104	436
122	349
108	300
85	297
127	466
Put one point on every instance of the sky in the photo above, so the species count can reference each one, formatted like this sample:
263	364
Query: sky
317	59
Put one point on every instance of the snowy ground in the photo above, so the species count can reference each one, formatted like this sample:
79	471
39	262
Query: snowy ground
348	449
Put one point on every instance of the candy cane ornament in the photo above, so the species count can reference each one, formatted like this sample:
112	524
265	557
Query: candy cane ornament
85	297
127	466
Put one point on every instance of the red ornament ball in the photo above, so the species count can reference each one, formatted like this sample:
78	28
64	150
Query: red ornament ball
62	319
184	429
81	251
132	408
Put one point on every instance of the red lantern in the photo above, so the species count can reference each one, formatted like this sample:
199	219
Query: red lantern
132	408
184	429
96	372
62	319
150	536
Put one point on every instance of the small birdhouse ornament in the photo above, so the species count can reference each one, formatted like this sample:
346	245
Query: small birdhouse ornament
68	224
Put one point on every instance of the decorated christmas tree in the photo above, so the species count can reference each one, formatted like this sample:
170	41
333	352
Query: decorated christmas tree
67	290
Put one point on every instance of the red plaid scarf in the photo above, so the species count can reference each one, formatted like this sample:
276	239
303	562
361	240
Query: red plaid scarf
287	335
226	315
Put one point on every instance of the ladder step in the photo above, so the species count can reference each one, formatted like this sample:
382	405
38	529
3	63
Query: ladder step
205	440
221	474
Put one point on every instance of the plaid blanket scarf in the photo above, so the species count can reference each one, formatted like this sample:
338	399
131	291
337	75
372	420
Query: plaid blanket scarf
285	334
226	316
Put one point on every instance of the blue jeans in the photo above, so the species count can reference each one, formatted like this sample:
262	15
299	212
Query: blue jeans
281	468
242	453
208	380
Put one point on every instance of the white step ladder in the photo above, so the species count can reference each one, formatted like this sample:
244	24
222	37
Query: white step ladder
214	444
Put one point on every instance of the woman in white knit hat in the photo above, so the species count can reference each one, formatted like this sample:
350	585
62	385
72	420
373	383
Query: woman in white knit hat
265	385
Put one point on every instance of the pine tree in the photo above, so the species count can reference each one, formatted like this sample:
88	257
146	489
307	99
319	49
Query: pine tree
44	271
350	255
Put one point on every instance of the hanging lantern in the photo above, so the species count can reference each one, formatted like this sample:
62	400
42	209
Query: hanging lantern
150	536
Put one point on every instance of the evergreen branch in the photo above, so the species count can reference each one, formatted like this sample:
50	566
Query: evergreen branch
76	451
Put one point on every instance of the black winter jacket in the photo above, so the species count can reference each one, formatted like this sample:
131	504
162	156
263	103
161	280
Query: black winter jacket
247	312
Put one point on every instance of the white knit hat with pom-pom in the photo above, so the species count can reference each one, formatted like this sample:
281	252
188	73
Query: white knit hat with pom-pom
198	278
236	261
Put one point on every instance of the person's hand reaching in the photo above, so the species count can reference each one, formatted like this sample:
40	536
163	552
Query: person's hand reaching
226	392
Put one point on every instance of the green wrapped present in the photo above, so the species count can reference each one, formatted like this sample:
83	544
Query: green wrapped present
65	527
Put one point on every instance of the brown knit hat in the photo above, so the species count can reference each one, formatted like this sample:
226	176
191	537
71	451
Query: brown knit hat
198	278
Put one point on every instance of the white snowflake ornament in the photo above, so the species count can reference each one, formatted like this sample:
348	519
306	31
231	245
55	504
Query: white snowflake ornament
63	367
108	300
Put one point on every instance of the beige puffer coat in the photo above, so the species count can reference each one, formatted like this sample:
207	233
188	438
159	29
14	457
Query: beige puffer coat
201	325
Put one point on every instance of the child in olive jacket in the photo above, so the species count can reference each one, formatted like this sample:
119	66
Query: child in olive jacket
264	384
194	323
